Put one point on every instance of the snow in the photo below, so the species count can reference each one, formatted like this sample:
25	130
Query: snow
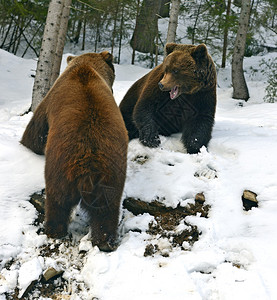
234	257
33	268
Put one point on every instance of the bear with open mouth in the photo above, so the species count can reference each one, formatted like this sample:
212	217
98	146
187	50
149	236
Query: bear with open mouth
179	95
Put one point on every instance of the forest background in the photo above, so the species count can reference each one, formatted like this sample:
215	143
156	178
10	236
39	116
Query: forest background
229	28
97	24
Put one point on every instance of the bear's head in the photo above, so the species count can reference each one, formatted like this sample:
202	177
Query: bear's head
100	62
187	69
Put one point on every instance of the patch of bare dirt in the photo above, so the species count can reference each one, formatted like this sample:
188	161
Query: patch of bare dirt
170	230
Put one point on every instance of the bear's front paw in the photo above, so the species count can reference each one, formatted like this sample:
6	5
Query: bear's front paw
149	137
152	143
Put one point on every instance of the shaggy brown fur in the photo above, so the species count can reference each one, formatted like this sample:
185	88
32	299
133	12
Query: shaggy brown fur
85	148
177	96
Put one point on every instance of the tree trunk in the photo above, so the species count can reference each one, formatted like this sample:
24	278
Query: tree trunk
97	35
164	10
16	35
240	90
225	38
61	41
47	52
7	33
120	32
84	32
195	22
135	36
114	25
157	50
12	38
173	21
146	27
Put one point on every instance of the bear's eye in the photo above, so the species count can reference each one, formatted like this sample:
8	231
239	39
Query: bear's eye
175	71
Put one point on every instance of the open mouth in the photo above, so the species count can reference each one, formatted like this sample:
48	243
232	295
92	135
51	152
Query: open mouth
174	92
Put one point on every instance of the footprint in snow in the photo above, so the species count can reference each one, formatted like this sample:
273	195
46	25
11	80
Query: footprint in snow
206	172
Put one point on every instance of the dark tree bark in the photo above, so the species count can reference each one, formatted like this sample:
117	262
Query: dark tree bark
135	36
84	33
225	37
114	25
164	10
120	32
7	33
146	28
195	22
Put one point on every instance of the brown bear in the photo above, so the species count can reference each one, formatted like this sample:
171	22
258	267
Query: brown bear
80	128
179	95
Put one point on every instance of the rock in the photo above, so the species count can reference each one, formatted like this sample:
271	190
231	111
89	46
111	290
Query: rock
200	198
37	199
251	196
150	250
249	200
50	273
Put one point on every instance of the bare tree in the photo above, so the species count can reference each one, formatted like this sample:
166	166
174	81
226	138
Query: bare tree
173	21
60	42
51	48
225	38
240	90
135	36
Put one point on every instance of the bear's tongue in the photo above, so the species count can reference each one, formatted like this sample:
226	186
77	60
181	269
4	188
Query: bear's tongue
174	92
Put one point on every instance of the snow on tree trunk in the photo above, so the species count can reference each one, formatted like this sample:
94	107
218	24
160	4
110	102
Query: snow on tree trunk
240	90
173	21
60	41
47	52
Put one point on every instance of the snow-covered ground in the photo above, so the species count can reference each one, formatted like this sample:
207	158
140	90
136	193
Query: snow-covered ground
234	257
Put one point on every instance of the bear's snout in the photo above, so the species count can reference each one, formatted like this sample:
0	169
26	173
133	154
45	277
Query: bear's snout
161	86
167	82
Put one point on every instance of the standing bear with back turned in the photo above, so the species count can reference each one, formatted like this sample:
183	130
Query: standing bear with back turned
81	131
179	95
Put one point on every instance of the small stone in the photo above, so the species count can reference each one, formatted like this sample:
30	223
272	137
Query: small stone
249	200
200	197
37	199
50	273
251	196
149	250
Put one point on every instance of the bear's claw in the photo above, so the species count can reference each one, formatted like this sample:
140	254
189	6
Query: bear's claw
152	143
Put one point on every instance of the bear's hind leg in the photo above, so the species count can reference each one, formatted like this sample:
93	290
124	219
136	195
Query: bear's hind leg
104	226
58	208
35	134
103	206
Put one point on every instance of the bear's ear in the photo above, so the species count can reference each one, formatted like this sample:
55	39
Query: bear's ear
107	56
69	58
200	52
170	48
